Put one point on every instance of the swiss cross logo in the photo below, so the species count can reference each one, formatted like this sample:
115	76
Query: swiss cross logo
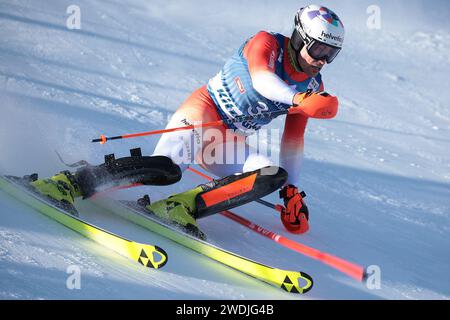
326	15
239	85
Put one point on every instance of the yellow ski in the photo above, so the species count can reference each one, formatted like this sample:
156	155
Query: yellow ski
291	281
147	255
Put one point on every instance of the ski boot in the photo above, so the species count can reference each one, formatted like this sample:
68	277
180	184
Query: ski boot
61	189
64	187
178	209
185	208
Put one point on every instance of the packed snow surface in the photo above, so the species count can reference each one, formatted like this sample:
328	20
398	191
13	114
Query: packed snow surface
377	176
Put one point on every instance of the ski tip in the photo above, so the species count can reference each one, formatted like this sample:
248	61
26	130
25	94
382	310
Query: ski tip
152	257
294	285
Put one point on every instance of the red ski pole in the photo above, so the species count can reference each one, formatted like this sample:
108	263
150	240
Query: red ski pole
322	102
292	110
103	138
353	270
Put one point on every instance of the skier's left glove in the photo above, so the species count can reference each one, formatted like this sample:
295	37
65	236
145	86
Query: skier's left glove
320	105
295	213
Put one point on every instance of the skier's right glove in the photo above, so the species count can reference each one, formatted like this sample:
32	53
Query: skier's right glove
321	105
294	215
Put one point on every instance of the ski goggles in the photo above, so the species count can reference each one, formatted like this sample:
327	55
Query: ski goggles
322	51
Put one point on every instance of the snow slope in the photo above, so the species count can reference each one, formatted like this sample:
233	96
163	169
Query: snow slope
377	176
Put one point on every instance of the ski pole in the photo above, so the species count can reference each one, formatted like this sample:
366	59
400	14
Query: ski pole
103	138
353	270
276	207
318	106
292	110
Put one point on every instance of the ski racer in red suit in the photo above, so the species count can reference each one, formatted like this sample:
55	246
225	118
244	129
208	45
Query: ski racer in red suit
269	72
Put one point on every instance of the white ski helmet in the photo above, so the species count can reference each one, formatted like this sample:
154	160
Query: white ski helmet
320	29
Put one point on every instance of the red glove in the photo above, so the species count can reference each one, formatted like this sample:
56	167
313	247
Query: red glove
320	105
294	215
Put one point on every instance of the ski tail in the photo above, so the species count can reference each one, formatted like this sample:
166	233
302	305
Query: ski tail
150	256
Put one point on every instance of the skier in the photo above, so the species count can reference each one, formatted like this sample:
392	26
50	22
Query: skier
268	72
